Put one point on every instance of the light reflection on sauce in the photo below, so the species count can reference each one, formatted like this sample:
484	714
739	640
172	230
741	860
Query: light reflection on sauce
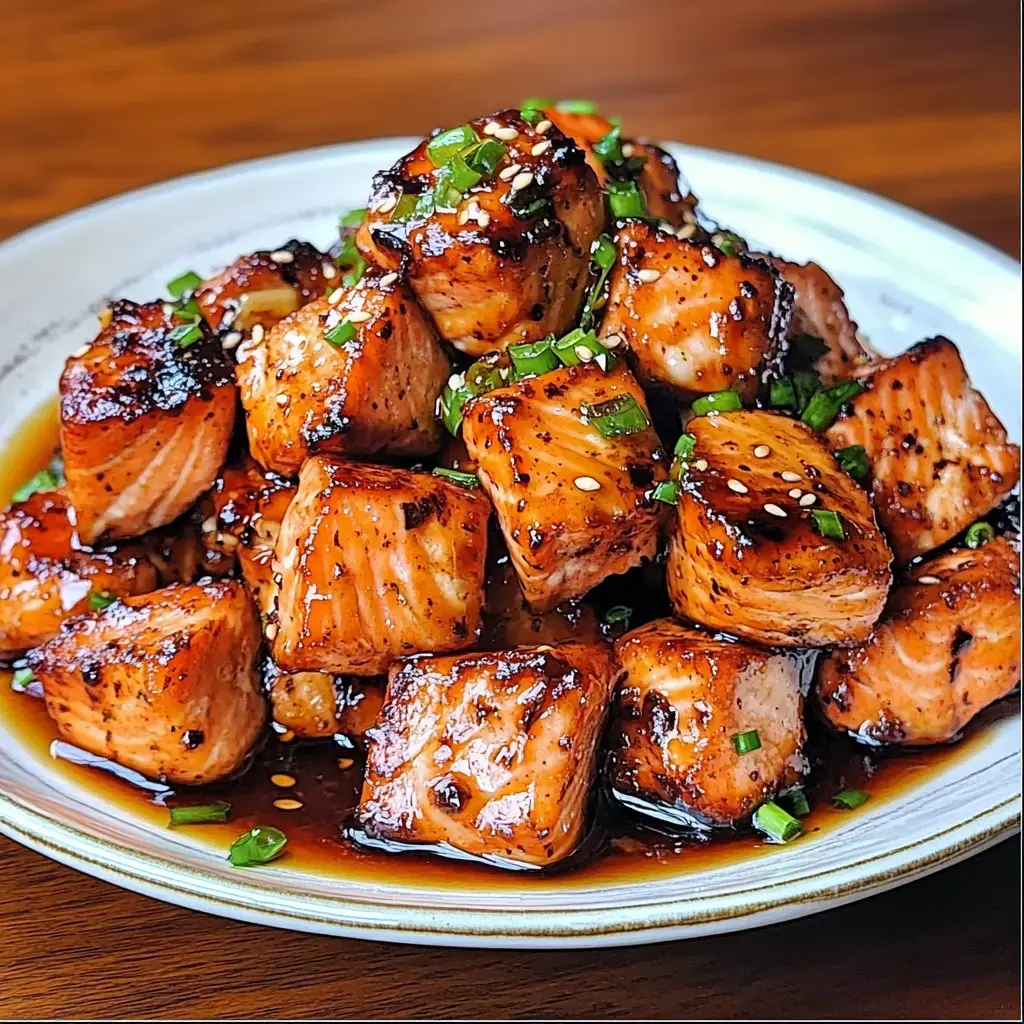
619	853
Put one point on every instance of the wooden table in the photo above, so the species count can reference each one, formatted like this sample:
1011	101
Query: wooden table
916	99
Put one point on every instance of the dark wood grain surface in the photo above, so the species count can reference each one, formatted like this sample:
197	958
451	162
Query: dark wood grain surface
915	99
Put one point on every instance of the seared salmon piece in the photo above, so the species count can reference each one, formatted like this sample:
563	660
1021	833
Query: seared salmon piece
948	646
489	754
146	413
751	553
47	576
939	457
166	684
357	373
682	706
318	705
264	287
575	505
507	259
695	320
376	563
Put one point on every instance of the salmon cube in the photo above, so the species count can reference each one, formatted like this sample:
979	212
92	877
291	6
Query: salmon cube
489	754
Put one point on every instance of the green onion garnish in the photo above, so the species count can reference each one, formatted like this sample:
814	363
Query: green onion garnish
609	147
717	401
341	333
781	395
350	258
823	407
188	311
620	613
806	385
796	800
353	218
481	377
853	460
186	334
667	491
485	157
537	102
101	600
849	799
829	523
617	417
602	255
531	115
684	446
44	480
259	845
745	742
443	146
21	678
462	176
467	480
446	195
728	242
576	106
452	401
533	358
199	814
778	826
626	200
979	535
187	282
405	208
569	347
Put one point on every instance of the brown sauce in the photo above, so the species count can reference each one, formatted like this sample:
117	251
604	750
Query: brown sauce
617	849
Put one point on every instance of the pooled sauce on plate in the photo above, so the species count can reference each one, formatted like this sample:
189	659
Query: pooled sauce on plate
327	780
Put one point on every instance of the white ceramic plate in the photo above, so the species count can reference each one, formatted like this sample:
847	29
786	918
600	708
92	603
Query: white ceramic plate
906	277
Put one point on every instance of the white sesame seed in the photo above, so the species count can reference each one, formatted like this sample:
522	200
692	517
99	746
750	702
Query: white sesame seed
584	353
336	296
700	465
522	180
282	399
543	127
360	316
774	510
388	279
735	485
483	218
388	205
209	524
231	340
455	381
628	149
612	341
687	231
541	147
510	172
256	334
928	579
282	256
602	360
587	483
463	217
271	630
808	499
491	127
648	275
505	134
790	477
503	372
330	271
762	451
79	352
795	493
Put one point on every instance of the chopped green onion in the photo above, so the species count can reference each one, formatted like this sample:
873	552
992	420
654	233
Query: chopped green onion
537	102
485	157
684	446
481	377
602	255
44	480
101	600
824	406
461	175
829	523
452	401
796	799
781	394
484	375
21	678
341	333
979	535
745	742
188	311
620	613
186	334
576	106
667	491
533	358
806	349
187	282
259	845
467	480
531	115
849	799
353	218
405	208
778	826
626	200
617	417
350	258
717	401
728	242
446	195
609	147
569	346
853	460
199	814
806	385
443	146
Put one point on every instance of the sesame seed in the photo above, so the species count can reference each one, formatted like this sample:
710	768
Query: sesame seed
774	510
283	780
282	399
790	477
602	360
336	296
256	334
510	172
505	134
503	372
648	275
231	340
613	341
288	804
388	205
360	316
543	127
388	279
628	149
79	352
287	736
587	483
541	147
344	763
271	630
491	127
762	451
282	256
928	579
735	485
808	499
483	218
687	231
455	381
330	271
209	524
700	465
795	493
584	353
522	180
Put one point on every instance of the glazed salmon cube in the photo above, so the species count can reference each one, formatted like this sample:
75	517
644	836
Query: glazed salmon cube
357	373
376	563
318	705
948	646
166	684
146	414
574	503
773	542
939	456
683	704
695	319
493	754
